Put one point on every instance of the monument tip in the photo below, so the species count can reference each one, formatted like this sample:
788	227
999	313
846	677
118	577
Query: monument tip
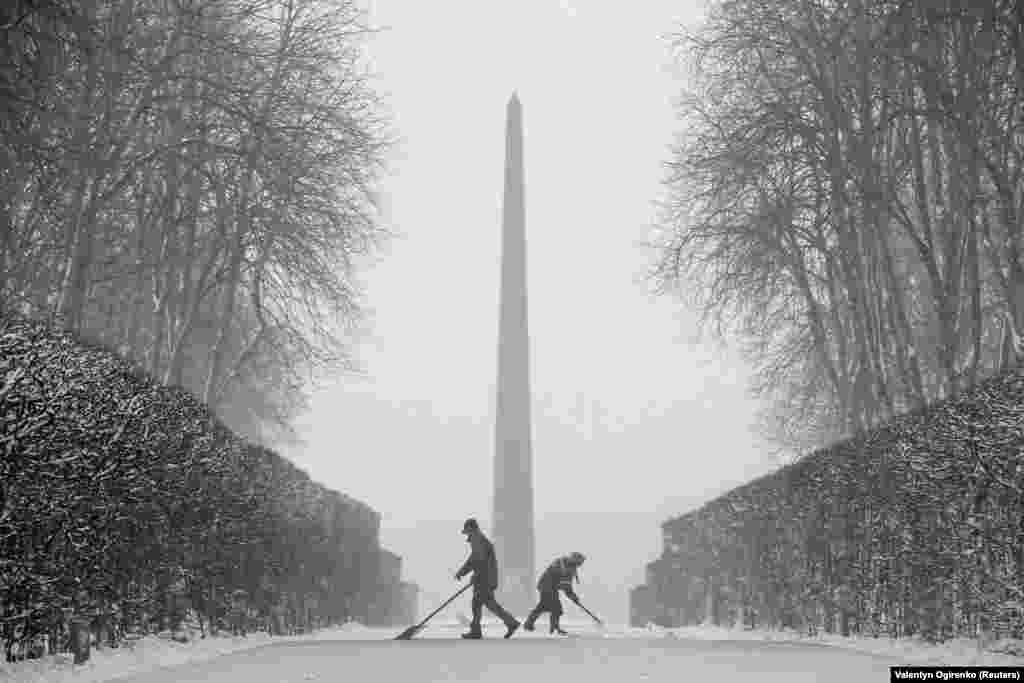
515	98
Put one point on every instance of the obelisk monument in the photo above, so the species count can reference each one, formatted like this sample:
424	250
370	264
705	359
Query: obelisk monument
513	456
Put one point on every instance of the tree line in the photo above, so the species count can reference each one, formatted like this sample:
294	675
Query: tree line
191	182
846	199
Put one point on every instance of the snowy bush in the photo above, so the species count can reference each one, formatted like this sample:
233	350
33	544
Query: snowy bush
127	501
914	528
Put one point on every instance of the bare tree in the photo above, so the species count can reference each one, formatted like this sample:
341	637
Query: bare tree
835	195
192	183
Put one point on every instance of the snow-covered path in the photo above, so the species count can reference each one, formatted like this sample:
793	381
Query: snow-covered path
439	655
531	660
354	652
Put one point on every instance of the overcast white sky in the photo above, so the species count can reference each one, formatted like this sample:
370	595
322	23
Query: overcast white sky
632	423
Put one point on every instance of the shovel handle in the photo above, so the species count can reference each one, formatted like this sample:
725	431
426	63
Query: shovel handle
443	605
590	613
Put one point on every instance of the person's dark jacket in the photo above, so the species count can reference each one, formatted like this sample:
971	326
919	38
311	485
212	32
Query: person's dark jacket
559	576
482	562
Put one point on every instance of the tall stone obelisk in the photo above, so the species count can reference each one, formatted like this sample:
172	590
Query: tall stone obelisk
513	456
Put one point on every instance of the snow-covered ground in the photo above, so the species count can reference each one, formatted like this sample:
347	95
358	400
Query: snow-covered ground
153	652
595	650
959	652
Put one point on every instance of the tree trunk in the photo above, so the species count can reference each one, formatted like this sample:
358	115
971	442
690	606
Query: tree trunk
227	314
70	310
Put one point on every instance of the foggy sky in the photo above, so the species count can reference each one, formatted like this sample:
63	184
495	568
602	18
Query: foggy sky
632	423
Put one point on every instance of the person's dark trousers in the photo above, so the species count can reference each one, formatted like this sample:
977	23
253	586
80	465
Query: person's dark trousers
549	602
484	597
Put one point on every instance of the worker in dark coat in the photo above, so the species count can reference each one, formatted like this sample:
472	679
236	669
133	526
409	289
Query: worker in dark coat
559	575
484	565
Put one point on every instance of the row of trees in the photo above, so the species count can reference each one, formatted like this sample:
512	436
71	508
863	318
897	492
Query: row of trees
847	198
117	490
916	528
189	181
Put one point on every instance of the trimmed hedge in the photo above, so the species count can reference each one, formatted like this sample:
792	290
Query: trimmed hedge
913	528
121	496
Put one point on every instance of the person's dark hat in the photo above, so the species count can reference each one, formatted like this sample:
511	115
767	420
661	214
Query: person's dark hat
470	525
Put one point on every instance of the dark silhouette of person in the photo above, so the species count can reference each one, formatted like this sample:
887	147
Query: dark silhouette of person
559	575
484	565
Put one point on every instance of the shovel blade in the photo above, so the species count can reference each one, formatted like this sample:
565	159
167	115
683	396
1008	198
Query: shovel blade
408	633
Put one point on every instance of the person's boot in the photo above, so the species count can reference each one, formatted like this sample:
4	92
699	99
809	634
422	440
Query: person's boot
511	626
555	627
528	624
474	632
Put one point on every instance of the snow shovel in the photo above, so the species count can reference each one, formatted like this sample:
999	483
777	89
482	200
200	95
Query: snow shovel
599	622
413	630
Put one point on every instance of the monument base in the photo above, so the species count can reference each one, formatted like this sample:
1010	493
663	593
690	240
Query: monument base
516	596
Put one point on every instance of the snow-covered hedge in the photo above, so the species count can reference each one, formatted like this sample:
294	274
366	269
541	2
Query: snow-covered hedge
123	497
913	528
